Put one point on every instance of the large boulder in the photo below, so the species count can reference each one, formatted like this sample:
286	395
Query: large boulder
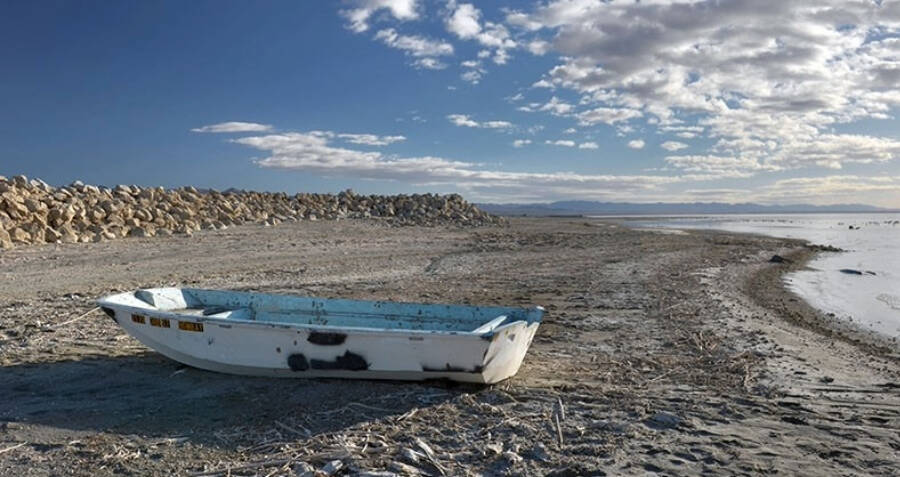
20	235
51	235
6	242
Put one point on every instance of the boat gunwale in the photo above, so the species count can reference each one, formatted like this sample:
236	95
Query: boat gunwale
255	324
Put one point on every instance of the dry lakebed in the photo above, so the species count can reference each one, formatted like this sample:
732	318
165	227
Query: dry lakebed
660	353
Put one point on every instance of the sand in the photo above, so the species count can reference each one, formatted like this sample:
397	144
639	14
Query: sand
676	354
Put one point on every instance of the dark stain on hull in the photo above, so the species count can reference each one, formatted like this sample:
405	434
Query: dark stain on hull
298	362
347	362
453	369
446	369
326	339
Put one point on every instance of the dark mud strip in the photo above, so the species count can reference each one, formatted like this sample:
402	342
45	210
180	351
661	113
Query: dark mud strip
767	288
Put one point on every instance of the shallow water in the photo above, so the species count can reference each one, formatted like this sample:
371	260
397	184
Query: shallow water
872	245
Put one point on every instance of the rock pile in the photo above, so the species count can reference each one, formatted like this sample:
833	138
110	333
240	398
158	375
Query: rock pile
33	212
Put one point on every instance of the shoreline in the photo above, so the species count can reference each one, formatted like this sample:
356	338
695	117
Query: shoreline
653	357
798	311
805	313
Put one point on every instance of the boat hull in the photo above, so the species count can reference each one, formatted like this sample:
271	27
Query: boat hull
275	349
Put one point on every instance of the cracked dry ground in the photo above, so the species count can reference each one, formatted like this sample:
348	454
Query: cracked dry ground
653	358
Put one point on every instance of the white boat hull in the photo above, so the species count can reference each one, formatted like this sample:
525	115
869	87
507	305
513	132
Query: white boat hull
274	349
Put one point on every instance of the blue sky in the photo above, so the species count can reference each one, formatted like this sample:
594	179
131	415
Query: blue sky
764	101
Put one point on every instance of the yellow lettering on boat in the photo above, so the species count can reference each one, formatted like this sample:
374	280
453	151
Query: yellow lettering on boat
138	319
189	326
160	322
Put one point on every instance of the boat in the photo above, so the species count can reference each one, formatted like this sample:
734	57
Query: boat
260	334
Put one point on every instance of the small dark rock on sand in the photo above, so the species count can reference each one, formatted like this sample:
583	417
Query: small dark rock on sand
851	271
662	421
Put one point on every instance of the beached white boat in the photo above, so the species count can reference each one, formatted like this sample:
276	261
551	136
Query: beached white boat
276	335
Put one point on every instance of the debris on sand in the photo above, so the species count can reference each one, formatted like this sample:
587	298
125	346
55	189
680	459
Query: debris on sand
779	259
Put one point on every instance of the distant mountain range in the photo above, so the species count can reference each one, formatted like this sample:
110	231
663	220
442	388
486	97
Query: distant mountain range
581	207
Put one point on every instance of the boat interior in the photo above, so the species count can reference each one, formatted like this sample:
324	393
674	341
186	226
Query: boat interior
296	310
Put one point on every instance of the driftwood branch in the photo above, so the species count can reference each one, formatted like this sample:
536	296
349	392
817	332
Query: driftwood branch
12	447
73	320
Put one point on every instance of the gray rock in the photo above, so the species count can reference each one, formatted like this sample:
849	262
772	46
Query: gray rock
663	421
140	232
303	469
332	468
512	457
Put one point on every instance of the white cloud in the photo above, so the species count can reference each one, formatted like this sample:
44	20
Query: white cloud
312	152
501	57
781	73
721	165
770	85
682	129
429	64
837	189
570	131
588	145
497	124
521	142
607	115
475	72
414	45
233	127
832	150
883	190
358	17
538	47
463	22
471	76
371	139
464	120
673	145
557	107
561	142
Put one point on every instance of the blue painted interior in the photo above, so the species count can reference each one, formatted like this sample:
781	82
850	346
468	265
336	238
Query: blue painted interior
353	313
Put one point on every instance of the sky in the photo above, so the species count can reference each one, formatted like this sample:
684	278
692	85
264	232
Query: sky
761	101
